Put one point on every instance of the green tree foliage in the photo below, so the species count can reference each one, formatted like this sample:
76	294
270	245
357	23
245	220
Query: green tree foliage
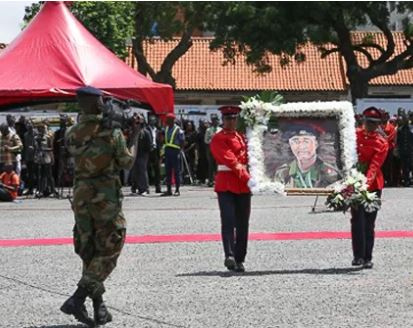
167	20
111	22
114	23
255	29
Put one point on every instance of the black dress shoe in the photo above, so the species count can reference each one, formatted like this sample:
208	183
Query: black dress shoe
101	314
368	265
166	193
74	307
230	263
239	267
177	193
357	262
158	190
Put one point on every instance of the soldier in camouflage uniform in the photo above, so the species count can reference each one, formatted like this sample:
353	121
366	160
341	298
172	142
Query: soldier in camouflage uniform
100	226
307	170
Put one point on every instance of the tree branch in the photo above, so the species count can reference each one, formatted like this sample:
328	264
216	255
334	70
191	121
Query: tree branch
401	61
382	25
365	52
371	45
408	64
181	48
345	44
326	52
143	66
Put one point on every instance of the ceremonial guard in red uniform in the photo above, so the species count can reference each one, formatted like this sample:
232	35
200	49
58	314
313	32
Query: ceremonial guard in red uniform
231	184
372	150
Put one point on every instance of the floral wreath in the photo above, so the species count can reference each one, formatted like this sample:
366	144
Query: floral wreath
255	114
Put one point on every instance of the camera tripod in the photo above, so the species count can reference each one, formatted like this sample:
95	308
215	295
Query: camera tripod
185	165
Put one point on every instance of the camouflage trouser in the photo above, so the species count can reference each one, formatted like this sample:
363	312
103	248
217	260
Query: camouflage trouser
99	236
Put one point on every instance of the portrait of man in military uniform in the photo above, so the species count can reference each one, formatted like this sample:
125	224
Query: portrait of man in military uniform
307	154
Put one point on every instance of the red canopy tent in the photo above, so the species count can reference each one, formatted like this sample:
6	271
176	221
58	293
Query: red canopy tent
56	54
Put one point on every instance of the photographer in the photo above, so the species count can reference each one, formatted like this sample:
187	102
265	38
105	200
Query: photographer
100	152
43	157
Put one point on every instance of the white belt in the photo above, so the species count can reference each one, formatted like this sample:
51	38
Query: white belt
223	168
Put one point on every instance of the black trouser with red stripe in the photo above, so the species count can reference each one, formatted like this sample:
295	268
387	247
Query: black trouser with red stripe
362	232
235	214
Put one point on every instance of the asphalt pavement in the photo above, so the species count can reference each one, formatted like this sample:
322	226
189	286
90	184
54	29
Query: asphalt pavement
290	282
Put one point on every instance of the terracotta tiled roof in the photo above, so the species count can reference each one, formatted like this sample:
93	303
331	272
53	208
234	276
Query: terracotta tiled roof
403	77
201	69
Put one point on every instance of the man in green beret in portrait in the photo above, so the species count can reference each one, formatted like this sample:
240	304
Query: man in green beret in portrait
307	170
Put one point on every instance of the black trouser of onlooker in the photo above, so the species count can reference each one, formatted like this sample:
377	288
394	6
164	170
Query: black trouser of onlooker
30	175
46	183
362	232
235	213
406	169
5	195
387	169
190	157
154	169
212	166
140	178
172	163
202	167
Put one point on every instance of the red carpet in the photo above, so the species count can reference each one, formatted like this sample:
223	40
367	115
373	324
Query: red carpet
182	238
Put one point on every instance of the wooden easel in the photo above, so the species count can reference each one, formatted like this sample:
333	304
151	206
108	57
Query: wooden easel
309	192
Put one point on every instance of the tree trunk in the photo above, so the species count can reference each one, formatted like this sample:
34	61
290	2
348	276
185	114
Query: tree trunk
359	88
164	76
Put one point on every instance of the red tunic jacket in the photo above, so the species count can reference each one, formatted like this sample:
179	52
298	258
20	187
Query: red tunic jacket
372	151
229	149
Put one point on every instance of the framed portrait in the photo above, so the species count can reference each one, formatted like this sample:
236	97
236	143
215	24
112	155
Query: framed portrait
300	148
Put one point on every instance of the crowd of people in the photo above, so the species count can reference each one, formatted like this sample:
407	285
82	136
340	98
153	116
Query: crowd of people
32	156
36	156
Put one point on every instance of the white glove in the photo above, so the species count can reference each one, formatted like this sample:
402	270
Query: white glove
252	183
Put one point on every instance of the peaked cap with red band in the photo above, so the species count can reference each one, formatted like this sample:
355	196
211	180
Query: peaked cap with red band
372	114
170	115
229	110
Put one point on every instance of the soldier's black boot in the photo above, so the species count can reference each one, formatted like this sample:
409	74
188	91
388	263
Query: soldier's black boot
75	305
101	313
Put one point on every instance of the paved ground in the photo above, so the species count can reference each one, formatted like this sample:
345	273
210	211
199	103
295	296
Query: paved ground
290	283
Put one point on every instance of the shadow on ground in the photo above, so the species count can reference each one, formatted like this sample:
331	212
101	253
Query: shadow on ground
226	274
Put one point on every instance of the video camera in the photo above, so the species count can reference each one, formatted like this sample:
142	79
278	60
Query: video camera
116	114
